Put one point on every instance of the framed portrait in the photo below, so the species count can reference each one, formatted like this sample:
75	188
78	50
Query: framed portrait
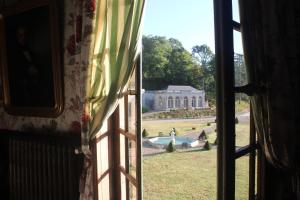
30	60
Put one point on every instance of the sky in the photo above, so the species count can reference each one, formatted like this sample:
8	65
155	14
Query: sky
189	21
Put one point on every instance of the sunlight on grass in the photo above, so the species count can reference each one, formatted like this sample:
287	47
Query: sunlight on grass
192	174
183	127
188	175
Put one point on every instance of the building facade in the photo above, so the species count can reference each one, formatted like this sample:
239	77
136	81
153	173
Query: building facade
174	97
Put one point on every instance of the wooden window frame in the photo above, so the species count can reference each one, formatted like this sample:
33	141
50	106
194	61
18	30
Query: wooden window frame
226	152
113	134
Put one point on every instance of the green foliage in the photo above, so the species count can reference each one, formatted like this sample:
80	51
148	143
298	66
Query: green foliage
166	62
170	148
182	113
145	133
144	109
207	146
206	58
203	135
241	106
216	141
240	75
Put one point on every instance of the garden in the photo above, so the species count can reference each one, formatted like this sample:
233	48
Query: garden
190	173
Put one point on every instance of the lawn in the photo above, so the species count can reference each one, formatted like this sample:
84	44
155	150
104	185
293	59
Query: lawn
165	126
187	175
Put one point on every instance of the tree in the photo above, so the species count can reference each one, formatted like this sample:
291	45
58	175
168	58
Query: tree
206	58
240	75
156	51
204	54
165	62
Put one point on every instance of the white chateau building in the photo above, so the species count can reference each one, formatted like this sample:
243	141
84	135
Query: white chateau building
174	97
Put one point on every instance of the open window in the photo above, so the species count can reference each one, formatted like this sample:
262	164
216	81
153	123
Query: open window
119	148
228	154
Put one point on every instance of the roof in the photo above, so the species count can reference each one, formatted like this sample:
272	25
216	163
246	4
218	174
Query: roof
181	88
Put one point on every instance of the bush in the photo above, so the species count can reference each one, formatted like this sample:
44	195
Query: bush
145	133
203	135
236	120
216	141
170	148
160	134
144	109
207	146
208	124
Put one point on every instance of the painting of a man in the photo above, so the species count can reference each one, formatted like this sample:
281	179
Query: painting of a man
29	61
24	73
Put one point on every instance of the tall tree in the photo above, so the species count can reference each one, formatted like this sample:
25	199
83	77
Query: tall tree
156	51
206	58
165	62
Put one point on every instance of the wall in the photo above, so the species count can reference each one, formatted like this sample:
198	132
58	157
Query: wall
71	116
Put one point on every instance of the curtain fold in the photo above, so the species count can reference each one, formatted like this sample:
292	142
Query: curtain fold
271	37
109	52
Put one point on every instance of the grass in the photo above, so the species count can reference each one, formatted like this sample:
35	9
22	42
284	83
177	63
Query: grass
154	127
241	106
192	174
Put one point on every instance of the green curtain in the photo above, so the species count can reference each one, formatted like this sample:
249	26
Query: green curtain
113	47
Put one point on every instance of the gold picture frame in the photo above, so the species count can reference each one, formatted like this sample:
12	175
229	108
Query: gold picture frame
30	60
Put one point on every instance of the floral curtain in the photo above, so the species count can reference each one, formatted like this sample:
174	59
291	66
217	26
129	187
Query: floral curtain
104	46
270	31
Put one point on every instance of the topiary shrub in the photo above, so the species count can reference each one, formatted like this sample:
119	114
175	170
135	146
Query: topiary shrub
170	148
236	120
144	109
216	141
207	146
145	133
202	136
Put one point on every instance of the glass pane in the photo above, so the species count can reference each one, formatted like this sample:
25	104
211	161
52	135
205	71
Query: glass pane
132	82
242	127
123	187
103	189
102	156
131	114
240	72
242	178
104	128
132	158
132	192
122	113
122	150
235	11
238	45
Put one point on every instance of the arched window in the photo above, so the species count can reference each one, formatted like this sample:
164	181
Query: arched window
193	102
186	102
200	102
170	102
177	102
